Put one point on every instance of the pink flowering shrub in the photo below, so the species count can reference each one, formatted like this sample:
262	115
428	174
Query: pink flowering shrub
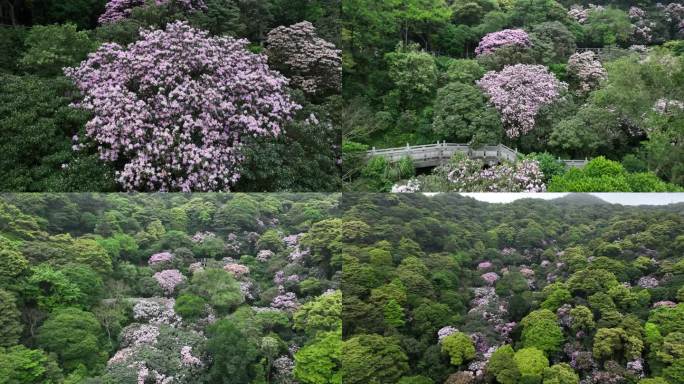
445	331
313	64
159	258
187	358
200	237
579	13
174	106
664	303
139	334
518	92
490	277
264	255
237	270
667	106
169	279
116	10
492	41
587	70
285	301
485	265
468	175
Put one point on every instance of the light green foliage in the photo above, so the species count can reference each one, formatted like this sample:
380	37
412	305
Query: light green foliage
560	373
373	359
459	347
541	331
19	364
463	71
608	27
393	314
414	75
323	314
531	363
270	240
503	366
589	281
10	324
582	318
190	306
12	263
218	287
53	47
319	362
50	288
75	336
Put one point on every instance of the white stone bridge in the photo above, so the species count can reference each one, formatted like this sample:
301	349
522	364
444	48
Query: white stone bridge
432	155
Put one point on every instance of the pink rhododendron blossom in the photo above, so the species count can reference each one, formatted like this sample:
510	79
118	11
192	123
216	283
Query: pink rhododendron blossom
485	265
667	106
579	13
139	334
187	358
173	107
492	41
312	64
194	267
169	279
446	331
664	303
237	270
518	92
411	186
156	311
286	301
264	255
648	282
200	237
116	10
490	277
161	257
527	272
469	175
587	70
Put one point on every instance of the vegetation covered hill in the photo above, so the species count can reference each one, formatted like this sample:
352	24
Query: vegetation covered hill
168	289
446	289
554	79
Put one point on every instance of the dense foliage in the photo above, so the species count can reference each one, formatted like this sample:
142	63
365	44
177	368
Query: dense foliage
169	289
571	79
446	289
153	108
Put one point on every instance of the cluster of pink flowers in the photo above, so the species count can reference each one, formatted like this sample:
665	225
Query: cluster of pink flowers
468	175
648	282
284	367
285	301
665	106
264	255
588	70
636	13
238	270
173	107
527	272
116	10
144	375
642	27
292	240
579	13
160	257
674	12
507	251
518	92
139	334
313	64
246	288
664	303
169	279
298	254
485	265
279	277
187	358
490	277
199	237
507	37
156	311
411	186
445	331
194	267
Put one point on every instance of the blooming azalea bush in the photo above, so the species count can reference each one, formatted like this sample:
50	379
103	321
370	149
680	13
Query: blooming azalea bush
507	37
116	10
171	109
518	92
586	70
169	279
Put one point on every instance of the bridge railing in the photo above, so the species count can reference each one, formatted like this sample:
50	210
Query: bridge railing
437	153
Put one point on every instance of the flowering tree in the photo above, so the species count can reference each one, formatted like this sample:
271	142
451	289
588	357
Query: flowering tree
492	41
116	10
174	106
468	175
518	92
160	257
169	279
587	70
313	64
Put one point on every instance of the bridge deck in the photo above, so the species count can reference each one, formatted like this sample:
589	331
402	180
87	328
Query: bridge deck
432	155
